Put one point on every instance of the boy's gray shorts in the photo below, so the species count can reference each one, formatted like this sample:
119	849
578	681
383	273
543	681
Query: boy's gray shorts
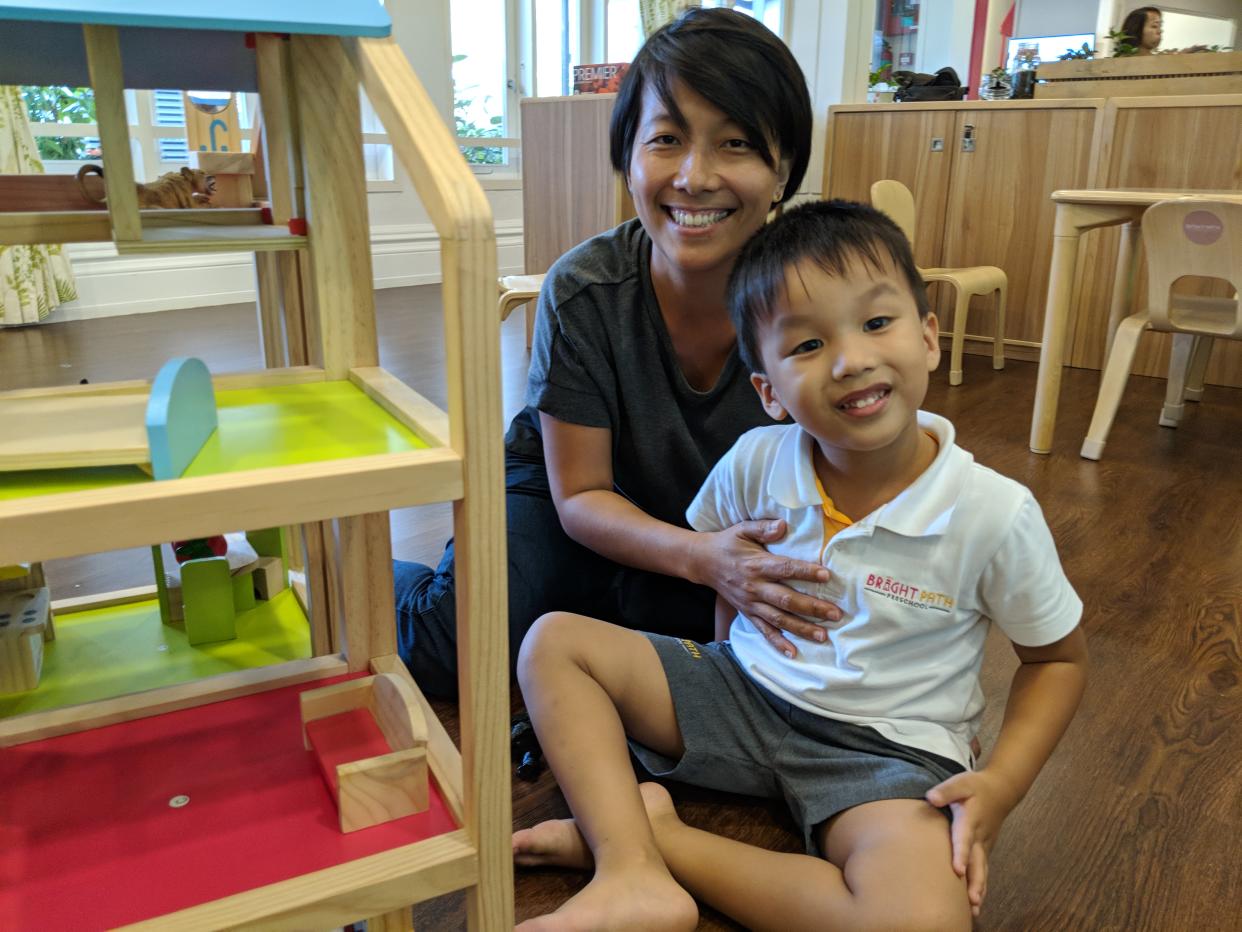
740	738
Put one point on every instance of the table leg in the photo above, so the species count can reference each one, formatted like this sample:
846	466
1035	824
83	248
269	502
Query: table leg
1123	282
1052	352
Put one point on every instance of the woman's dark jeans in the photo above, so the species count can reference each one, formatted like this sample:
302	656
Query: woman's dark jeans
547	572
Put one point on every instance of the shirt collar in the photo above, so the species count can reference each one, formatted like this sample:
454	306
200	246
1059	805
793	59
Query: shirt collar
923	509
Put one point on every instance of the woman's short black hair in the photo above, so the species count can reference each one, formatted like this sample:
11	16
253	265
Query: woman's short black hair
739	66
828	233
1135	22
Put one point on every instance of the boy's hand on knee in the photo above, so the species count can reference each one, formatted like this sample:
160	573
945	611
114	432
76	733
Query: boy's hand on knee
979	801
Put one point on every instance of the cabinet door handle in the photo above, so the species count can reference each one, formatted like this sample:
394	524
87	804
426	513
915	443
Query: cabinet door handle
968	137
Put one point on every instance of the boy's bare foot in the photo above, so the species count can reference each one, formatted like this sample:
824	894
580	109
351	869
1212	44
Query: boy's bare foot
643	897
659	805
554	843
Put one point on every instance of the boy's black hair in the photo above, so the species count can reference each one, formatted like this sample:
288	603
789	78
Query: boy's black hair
829	234
740	67
1135	22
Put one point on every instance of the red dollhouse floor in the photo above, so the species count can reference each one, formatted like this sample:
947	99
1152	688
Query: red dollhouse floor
89	837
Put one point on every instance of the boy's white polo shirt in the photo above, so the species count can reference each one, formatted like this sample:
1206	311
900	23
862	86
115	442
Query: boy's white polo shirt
917	580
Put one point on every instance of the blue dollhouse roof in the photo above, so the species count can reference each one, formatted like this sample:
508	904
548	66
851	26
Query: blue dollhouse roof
167	43
314	17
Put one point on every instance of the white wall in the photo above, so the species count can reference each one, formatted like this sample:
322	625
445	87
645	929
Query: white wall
831	40
945	29
1055	17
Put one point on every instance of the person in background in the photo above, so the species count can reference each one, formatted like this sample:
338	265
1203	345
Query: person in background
1143	28
636	388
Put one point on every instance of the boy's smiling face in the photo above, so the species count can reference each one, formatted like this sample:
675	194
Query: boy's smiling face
847	357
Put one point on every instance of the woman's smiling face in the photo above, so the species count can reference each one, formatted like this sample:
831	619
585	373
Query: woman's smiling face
699	187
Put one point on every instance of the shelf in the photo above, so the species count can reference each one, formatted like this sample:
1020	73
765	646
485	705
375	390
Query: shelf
258	817
222	229
104	652
211	238
283	454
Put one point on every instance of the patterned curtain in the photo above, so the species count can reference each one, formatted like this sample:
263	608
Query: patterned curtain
33	279
655	13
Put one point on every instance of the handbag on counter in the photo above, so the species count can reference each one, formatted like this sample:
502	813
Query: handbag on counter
916	87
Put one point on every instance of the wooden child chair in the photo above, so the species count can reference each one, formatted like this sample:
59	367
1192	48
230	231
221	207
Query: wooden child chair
1187	236
516	290
895	199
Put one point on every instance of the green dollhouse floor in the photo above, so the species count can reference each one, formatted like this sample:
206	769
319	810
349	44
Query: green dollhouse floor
104	652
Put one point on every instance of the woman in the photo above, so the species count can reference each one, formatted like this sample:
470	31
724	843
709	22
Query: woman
636	388
1142	29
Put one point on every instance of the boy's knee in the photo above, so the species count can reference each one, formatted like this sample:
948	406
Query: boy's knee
549	640
935	910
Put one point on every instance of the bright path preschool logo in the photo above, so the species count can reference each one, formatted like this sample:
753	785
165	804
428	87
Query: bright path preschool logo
907	594
691	648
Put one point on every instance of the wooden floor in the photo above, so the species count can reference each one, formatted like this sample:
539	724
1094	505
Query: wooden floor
1135	823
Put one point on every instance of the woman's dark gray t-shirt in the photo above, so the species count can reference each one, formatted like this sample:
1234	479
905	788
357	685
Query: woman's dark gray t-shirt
602	357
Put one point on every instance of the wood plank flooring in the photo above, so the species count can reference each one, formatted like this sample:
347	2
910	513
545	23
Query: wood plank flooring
1134	824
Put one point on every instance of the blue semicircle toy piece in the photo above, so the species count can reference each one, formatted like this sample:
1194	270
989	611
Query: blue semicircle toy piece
181	415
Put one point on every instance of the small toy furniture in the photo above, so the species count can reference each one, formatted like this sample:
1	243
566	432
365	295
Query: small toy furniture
212	594
164	430
234	174
236	827
370	739
895	199
25	623
1188	236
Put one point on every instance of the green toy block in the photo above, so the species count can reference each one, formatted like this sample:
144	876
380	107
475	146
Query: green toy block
272	542
268	542
243	592
207	593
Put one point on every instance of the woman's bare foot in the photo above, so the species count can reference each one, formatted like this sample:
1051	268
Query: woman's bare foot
554	843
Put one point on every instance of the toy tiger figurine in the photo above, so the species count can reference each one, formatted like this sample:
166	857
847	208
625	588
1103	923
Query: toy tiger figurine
190	187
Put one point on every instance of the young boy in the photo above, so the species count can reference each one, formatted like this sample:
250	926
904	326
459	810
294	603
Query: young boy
866	733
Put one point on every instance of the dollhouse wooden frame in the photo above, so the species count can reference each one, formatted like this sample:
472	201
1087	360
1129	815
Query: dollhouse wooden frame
317	316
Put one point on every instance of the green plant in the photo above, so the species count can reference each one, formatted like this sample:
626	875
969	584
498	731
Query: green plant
1084	53
59	104
1122	47
881	75
465	126
998	74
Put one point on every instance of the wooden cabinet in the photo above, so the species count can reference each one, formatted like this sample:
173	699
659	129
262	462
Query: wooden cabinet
981	175
913	147
989	203
999	212
569	190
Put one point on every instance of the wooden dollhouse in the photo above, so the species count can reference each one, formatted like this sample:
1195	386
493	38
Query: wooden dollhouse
197	804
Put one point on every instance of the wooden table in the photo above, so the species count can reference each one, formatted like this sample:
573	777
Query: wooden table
1077	212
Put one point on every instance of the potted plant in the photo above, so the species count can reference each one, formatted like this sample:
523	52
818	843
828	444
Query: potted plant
996	85
880	89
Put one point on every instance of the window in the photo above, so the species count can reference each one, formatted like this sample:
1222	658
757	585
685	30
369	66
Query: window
483	98
168	109
62	120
